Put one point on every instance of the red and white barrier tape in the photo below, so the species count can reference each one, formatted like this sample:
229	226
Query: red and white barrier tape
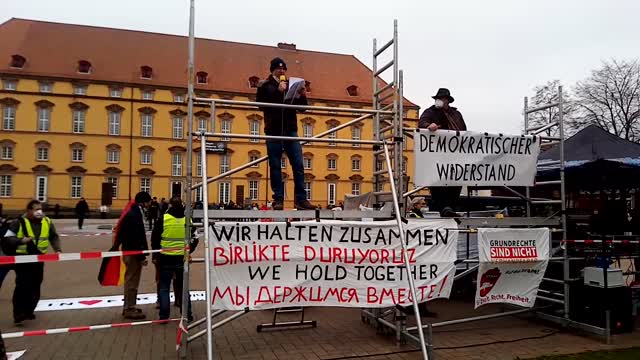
86	234
23	259
600	241
82	328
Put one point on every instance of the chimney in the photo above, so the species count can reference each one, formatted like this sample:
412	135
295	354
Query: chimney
285	46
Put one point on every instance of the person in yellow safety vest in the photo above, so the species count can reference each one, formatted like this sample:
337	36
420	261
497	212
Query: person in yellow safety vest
417	204
33	233
169	234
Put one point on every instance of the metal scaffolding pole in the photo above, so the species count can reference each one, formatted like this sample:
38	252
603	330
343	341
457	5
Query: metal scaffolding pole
407	263
188	206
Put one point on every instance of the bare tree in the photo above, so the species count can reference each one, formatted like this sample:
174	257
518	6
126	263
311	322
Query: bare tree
547	94
610	98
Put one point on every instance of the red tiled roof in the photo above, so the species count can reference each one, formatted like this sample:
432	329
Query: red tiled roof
54	49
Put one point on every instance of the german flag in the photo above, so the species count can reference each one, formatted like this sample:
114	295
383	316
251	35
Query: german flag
112	269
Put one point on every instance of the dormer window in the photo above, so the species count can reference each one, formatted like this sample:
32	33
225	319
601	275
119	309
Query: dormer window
178	97
17	61
202	77
352	90
84	67
253	81
146	72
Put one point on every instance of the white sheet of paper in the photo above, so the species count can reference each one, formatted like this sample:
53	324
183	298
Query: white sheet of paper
294	86
15	355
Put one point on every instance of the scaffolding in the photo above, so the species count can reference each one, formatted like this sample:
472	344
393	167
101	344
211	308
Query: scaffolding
387	114
387	109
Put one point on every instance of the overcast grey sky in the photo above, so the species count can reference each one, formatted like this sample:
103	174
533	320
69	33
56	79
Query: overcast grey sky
490	53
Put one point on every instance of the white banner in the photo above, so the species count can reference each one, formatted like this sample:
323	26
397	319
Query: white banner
465	158
334	263
513	245
512	265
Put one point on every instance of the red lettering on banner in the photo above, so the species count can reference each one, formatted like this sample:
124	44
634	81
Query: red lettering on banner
218	252
236	296
260	299
238	254
309	253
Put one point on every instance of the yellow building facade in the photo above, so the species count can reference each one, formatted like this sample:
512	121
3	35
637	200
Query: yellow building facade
62	138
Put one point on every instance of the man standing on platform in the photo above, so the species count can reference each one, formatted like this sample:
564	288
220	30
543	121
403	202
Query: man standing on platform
132	236
32	233
443	116
283	122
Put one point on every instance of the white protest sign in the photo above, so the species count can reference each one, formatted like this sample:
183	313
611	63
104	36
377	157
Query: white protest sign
333	263
465	158
513	245
512	264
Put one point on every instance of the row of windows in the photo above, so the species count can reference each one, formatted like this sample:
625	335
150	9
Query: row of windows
7	152
79	118
46	87
75	190
146	73
224	188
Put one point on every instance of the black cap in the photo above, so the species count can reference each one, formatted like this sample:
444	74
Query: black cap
276	63
443	93
142	197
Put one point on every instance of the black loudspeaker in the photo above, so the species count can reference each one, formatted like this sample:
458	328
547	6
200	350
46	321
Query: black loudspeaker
107	193
588	305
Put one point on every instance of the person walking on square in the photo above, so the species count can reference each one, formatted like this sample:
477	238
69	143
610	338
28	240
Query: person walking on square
132	236
82	210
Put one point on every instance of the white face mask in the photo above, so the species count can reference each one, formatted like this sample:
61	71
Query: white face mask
424	210
39	214
439	103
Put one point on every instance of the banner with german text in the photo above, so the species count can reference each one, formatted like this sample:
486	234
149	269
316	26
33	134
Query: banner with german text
512	265
466	158
330	263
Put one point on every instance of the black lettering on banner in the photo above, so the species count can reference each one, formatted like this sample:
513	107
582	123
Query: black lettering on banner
262	272
527	150
425	143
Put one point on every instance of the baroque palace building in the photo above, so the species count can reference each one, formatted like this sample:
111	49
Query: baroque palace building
83	105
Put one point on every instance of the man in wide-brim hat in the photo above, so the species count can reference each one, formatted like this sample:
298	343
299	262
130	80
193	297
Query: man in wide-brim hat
443	116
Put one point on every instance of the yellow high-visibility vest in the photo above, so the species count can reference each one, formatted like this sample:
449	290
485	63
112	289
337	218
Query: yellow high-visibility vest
173	234
43	240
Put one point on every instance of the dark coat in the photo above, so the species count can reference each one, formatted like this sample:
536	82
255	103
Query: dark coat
132	232
82	208
450	119
277	121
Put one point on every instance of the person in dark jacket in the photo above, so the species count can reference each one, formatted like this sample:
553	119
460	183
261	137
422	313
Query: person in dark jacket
282	122
132	236
82	210
443	116
32	234
169	233
152	212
